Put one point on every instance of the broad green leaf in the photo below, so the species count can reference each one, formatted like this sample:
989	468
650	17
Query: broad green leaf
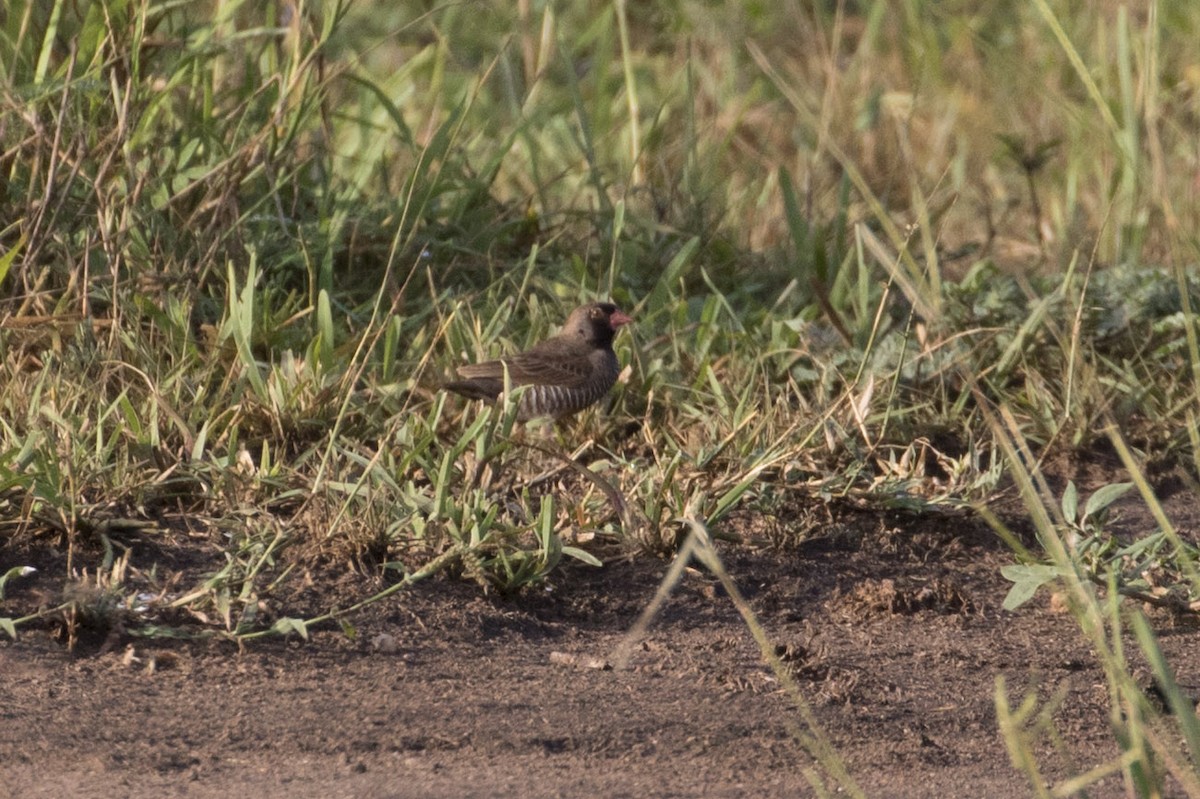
582	555
1026	579
7	258
1103	497
1070	502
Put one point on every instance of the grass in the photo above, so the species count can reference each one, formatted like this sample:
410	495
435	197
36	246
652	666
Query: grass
899	256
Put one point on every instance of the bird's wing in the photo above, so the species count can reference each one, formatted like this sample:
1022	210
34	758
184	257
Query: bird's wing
554	362
486	370
551	369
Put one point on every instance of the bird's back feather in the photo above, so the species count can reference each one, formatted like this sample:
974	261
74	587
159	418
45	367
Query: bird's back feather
554	362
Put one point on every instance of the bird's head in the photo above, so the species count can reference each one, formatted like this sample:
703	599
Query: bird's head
596	323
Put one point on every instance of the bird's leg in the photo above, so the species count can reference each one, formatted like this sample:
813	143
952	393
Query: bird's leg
567	457
562	432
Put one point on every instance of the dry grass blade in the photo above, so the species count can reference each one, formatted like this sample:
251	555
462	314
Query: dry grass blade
614	496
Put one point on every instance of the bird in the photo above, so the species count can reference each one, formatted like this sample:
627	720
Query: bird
565	373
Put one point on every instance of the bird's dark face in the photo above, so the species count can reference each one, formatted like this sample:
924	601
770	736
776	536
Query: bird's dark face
596	323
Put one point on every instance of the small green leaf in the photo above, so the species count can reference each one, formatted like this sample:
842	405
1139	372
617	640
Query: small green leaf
14	573
582	555
1018	595
1103	497
1026	579
289	625
7	259
325	329
8	627
1070	502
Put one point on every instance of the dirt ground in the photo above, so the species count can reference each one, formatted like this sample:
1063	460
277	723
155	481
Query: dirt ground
891	625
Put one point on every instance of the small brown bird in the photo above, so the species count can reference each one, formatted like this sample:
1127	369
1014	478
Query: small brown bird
566	373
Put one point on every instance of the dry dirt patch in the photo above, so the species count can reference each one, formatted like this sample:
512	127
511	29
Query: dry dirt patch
896	637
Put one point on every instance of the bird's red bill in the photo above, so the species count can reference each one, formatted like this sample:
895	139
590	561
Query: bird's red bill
617	319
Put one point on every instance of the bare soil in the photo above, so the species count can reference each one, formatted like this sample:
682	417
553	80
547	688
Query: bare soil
891	624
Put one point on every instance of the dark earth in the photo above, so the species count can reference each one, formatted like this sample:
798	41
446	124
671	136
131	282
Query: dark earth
891	624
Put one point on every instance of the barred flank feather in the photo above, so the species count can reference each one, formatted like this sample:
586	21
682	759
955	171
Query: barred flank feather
560	401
